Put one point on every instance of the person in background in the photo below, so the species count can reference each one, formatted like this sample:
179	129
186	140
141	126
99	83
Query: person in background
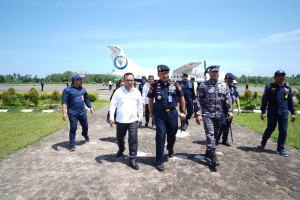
42	84
142	84
195	90
127	102
145	100
278	98
247	85
74	97
234	94
110	85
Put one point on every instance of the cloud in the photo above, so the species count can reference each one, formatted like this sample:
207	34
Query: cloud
247	70
293	35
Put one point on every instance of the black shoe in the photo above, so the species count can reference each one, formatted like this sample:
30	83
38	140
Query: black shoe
187	123
160	167
72	147
133	164
226	143
146	124
120	153
87	138
171	153
184	128
213	158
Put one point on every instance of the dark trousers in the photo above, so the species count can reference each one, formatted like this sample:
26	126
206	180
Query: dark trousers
73	126
42	87
212	127
146	112
224	130
283	123
132	137
166	124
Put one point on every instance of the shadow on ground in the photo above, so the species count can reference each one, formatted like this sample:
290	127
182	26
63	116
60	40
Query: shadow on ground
66	144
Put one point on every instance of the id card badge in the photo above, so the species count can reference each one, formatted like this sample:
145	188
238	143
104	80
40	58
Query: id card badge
170	98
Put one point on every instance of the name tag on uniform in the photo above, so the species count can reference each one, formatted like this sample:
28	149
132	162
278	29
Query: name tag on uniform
170	98
82	97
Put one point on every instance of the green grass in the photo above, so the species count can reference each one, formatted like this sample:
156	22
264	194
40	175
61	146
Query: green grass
18	130
253	122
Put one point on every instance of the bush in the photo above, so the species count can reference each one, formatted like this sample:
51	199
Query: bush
297	97
55	96
34	96
11	91
248	94
5	98
92	97
255	95
45	95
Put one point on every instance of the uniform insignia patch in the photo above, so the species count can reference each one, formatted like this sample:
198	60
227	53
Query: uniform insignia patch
159	97
273	88
179	87
286	89
159	69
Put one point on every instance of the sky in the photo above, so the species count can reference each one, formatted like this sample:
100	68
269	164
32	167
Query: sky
244	37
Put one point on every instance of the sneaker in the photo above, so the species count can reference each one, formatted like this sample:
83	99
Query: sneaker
146	124
87	138
282	153
72	147
153	127
262	145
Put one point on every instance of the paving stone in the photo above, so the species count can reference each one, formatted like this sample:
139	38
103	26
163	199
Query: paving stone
47	170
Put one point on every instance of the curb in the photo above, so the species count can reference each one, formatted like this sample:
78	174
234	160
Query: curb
254	111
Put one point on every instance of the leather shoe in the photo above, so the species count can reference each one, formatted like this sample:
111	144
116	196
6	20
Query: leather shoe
133	164
226	143
171	153
120	153
87	138
160	167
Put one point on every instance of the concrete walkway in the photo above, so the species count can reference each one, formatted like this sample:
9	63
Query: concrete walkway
48	170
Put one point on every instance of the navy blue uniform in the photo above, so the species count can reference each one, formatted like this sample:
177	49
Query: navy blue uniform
166	116
279	101
224	130
75	98
189	96
141	88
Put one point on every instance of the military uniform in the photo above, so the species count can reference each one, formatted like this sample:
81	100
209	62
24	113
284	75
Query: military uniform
189	96
279	101
165	113
212	97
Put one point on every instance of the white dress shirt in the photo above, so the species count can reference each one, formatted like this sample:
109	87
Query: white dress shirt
128	104
146	88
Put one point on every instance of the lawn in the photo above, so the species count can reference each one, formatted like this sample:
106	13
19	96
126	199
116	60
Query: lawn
18	130
253	121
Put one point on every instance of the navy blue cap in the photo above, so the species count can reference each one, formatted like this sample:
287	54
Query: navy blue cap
278	72
193	78
144	77
76	76
163	68
185	74
214	68
229	76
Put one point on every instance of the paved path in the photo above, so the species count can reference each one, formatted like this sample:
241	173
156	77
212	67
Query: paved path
47	170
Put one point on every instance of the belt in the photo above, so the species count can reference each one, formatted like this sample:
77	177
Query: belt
169	109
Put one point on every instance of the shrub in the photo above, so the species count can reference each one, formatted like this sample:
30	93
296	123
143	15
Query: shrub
255	95
55	96
248	94
5	98
297	97
45	95
11	91
34	96
92	97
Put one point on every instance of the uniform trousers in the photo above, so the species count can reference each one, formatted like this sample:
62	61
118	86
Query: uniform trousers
73	126
132	137
211	127
166	124
283	123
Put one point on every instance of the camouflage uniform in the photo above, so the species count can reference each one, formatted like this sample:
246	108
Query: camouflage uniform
212	96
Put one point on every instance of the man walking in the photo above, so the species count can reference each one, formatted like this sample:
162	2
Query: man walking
278	97
74	98
234	94
164	112
128	102
189	97
145	100
213	95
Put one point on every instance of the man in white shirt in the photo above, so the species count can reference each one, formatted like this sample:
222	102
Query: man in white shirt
145	100
128	102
